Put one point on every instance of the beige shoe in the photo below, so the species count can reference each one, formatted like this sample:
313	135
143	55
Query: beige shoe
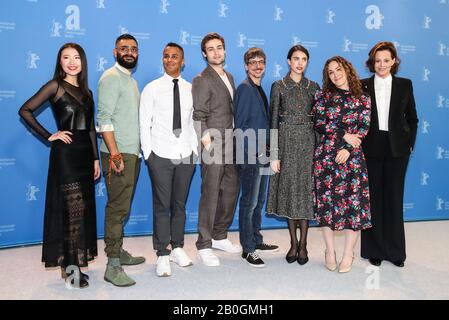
343	268
331	266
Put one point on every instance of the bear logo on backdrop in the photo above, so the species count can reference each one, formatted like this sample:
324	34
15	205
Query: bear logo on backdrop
354	28
222	8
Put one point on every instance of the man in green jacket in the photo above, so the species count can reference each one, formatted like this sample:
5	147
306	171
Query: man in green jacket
118	121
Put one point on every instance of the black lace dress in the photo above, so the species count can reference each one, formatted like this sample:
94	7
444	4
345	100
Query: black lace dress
70	231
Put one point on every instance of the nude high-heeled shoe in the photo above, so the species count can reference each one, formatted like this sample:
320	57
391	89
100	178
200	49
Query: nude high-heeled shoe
346	268
331	266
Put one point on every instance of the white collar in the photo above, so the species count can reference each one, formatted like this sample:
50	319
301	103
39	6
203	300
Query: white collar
169	77
122	69
381	80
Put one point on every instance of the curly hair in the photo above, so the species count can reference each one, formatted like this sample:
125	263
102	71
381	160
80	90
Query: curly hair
355	86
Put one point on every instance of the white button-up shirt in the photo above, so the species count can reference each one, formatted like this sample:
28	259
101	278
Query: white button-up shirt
382	88
156	119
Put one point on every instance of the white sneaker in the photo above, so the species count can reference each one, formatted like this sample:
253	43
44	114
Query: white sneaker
163	266
226	245
209	258
180	257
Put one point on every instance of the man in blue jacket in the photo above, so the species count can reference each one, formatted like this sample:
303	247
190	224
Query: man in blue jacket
252	127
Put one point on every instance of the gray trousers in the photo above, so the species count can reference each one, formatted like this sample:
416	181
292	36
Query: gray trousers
170	184
219	192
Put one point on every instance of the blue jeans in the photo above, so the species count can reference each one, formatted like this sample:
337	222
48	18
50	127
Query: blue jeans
252	200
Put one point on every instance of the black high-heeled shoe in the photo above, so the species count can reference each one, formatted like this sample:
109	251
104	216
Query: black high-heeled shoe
293	258
302	260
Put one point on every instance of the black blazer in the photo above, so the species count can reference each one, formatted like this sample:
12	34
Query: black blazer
402	119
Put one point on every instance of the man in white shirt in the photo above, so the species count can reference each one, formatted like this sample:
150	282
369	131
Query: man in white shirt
169	144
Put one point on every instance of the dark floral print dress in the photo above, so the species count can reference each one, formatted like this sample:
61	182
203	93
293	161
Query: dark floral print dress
341	193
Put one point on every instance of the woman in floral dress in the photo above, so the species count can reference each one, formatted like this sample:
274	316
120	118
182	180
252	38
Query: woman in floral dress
341	195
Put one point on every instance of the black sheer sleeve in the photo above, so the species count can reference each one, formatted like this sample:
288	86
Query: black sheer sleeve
44	94
93	132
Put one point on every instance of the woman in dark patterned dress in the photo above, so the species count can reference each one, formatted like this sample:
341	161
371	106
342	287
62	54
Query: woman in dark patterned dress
290	191
70	231
342	116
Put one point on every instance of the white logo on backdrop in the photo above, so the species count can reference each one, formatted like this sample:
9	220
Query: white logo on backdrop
277	13
295	40
404	48
55	28
425	127
32	59
425	75
374	20
100	189
427	21
346	45
164	6
186	38
222	8
31	193
330	16
349	46
122	30
442	102
241	40
5	94
442	153
73	20
442	49
72	24
441	204
137	35
100	4
424	178
101	62
277	70
10	26
307	44
4	162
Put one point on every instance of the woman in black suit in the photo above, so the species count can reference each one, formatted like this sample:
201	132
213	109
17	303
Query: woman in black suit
387	149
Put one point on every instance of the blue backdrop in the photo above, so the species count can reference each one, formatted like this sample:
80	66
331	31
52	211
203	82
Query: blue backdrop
31	32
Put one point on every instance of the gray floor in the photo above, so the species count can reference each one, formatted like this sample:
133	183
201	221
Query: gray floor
425	276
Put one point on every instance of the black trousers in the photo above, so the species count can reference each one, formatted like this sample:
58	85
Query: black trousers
386	239
170	183
220	188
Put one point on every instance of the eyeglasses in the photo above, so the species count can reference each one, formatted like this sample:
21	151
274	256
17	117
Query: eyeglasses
256	62
127	49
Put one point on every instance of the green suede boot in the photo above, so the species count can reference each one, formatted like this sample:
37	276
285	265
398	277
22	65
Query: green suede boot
127	259
118	277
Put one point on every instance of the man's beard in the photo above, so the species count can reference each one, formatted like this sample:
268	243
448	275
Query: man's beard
125	64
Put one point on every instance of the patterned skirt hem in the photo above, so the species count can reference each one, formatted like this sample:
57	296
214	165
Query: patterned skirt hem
289	217
345	227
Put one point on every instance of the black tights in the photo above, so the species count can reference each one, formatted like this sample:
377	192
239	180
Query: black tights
303	225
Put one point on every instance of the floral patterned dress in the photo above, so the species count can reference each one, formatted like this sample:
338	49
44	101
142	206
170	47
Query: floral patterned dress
341	194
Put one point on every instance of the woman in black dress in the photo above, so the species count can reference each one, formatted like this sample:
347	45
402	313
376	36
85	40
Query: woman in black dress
70	232
290	191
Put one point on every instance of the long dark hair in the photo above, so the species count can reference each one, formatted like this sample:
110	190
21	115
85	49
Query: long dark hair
355	86
60	75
